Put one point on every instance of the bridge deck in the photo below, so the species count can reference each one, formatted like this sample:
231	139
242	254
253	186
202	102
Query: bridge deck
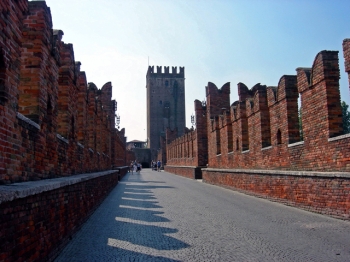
157	216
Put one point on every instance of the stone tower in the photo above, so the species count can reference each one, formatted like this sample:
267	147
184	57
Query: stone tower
165	104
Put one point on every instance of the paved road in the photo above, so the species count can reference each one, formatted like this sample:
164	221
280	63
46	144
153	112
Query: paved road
157	216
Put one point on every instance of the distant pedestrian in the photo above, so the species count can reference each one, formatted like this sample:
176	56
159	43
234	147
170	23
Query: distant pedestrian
131	168
159	164
138	166
154	165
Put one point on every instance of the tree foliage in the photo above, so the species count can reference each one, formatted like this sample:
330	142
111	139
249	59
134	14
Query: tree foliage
346	117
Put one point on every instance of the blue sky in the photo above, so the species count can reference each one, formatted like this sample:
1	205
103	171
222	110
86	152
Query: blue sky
220	41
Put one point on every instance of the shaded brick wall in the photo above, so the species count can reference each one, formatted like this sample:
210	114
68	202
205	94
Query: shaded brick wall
35	227
119	143
165	105
346	52
186	154
53	123
191	148
130	157
218	101
10	66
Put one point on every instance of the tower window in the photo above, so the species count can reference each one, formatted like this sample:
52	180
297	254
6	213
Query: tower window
160	102
166	83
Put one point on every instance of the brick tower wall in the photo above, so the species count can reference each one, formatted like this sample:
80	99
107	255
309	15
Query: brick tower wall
165	104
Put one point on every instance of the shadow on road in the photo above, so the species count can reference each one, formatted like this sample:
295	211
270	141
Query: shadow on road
135	214
149	236
142	215
138	196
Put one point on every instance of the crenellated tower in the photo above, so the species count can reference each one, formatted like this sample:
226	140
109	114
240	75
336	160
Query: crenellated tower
165	104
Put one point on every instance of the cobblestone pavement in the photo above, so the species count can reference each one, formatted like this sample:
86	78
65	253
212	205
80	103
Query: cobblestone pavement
157	216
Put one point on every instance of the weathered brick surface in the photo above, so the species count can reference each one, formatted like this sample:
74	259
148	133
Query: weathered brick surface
326	194
185	171
190	149
261	131
53	124
130	156
11	24
35	227
165	105
119	142
346	52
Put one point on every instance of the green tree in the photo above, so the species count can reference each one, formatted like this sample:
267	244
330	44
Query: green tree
346	117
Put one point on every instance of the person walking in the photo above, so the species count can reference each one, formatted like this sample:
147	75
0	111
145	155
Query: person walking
135	166
159	164
138	166
154	165
131	168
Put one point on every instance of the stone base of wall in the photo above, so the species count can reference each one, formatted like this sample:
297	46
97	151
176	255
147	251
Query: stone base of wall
327	193
193	172
37	218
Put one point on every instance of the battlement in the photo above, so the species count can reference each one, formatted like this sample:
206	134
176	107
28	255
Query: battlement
265	129
152	73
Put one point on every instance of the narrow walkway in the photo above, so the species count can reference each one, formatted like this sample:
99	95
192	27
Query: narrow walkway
157	216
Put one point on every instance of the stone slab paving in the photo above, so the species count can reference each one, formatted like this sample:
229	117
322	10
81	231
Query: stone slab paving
158	216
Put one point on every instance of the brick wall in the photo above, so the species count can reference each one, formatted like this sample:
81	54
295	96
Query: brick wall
10	66
53	123
190	150
346	52
261	131
119	144
130	157
185	171
325	193
38	218
268	116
